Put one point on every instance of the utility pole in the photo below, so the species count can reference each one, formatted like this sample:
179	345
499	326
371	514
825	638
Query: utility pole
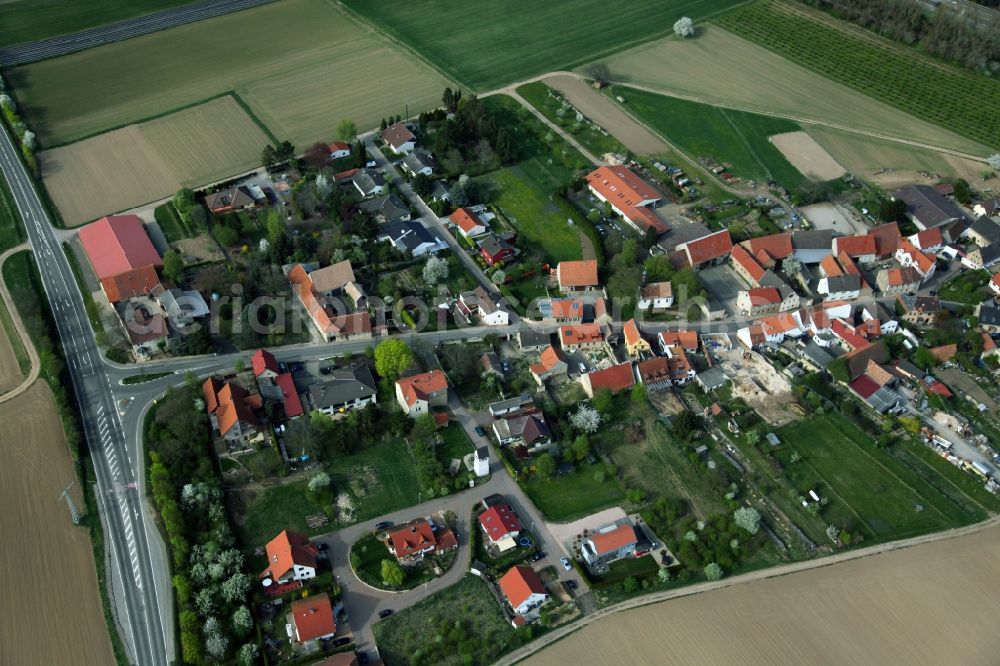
73	513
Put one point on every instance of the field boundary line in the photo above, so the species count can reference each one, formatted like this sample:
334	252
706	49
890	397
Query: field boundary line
926	466
242	103
762	574
22	332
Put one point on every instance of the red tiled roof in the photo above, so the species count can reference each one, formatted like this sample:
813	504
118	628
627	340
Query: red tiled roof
988	344
996	279
886	237
616	378
413	538
339	145
864	386
621	187
422	386
682	339
927	238
707	248
131	283
778	246
938	388
313	617
577	273
612	540
498	521
631	332
117	244
854	246
654	370
285	551
580	334
764	296
847	334
904	275
264	360
781	323
646	219
566	308
743	258
944	352
519	583
550	358
231	403
289	395
830	266
465	219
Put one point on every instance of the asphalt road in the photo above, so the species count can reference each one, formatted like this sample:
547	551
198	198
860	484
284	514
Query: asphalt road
18	54
117	472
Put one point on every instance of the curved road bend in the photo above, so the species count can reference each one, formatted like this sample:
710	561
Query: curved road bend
135	564
19	54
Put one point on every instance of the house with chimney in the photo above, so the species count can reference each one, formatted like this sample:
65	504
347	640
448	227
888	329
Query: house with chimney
524	592
919	310
232	412
290	557
609	543
468	223
399	138
417	394
581	337
635	344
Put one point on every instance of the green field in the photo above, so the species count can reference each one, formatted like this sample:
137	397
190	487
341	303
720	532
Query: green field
968	287
486	44
311	66
955	98
734	138
573	495
28	20
871	491
392	480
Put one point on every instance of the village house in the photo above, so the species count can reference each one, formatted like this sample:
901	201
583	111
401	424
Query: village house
609	543
635	344
339	150
230	200
324	293
840	287
908	255
550	365
369	182
122	256
410	237
468	223
887	237
859	248
679	366
529	430
231	411
654	373
477	303
581	337
759	301
500	525
710	249
312	618
927	241
386	209
412	541
984	231
529	340
290	556
561	310
656	295
902	280
995	283
524	592
417	394
274	384
342	390
988	318
577	276
495	249
981	258
746	266
811	246
767	250
419	163
919	310
629	196
511	405
399	138
686	340
616	379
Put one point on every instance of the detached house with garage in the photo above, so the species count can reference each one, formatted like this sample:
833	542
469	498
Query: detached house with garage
369	182
417	394
468	223
399	138
524	593
312	618
231	410
609	543
290	556
412	541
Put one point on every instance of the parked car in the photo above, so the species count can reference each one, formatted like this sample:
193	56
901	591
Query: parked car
384	525
567	565
537	556
322	545
342	641
480	430
385	613
570	584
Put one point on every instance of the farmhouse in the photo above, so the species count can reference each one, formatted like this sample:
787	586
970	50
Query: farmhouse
524	592
887	239
709	249
550	365
418	393
410	542
656	295
290	556
399	138
982	257
616	379
468	223
928	240
840	287
860	248
904	280
386	209
984	231
767	250
610	543
312	618
410	237
320	291
747	267
811	246
926	207
122	256
585	337
577	276
343	390
231	410
369	182
231	199
759	301
908	255
635	344
529	430
339	149
629	196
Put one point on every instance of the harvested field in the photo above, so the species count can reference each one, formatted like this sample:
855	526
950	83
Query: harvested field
720	68
10	371
312	66
207	142
600	109
933	603
105	174
54	617
807	156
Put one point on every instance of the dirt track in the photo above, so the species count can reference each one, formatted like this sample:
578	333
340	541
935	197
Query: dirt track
605	113
50	612
22	383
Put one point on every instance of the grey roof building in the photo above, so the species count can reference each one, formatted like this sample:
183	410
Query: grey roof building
386	209
419	162
342	388
813	239
711	379
368	182
410	236
985	231
817	356
927	207
528	339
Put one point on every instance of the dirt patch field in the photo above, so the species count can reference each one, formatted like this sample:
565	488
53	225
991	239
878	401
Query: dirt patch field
55	615
607	114
721	68
807	156
207	142
934	603
763	388
833	216
106	174
200	249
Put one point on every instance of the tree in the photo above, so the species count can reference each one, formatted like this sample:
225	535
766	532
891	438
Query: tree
791	265
891	210
684	27
28	139
216	645
580	448
545	466
435	270
317	155
184	201
498	277
392	573
963	193
638	395
630	585
319	482
173	266
600	73
585	419
249	654
285	152
269	157
910	424
994	161
347	130
392	357
748	518
242	621
603	401
424	427
713	571
227	236
323	186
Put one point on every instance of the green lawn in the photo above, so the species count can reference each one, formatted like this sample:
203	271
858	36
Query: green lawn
278	508
573	495
968	287
870	490
28	20
485	44
380	479
170	223
889	72
459	625
734	138
456	443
